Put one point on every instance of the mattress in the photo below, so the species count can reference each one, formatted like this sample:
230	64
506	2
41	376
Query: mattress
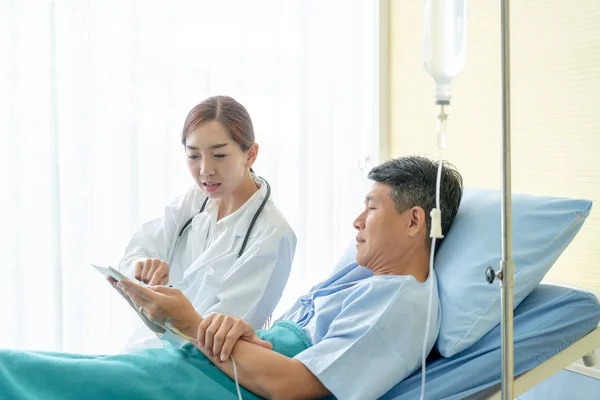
546	322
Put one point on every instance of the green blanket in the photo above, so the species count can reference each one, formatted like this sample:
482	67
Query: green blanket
168	373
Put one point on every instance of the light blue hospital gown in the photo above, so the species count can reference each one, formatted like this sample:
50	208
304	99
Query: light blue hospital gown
367	331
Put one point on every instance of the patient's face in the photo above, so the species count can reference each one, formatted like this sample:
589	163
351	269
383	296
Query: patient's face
381	236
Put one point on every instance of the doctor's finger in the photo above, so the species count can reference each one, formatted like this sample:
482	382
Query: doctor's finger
233	335
222	336
122	293
168	291
155	277
254	338
146	293
155	313
209	337
150	310
139	267
159	275
148	270
136	300
133	294
203	326
164	280
113	282
126	297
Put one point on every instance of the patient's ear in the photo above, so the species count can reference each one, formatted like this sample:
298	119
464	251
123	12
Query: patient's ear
417	222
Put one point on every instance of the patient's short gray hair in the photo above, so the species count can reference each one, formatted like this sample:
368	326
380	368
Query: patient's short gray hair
412	180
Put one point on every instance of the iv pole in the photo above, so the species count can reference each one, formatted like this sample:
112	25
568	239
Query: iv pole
506	273
506	265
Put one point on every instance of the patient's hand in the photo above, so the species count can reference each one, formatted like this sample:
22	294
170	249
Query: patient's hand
160	303
152	271
218	333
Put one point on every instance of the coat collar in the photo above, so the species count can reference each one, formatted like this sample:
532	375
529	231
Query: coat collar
240	220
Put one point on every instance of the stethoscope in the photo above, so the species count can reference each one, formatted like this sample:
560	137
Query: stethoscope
246	238
182	231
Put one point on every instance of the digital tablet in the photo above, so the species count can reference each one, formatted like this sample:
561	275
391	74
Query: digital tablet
110	271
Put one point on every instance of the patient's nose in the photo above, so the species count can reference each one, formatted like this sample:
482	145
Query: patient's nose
359	222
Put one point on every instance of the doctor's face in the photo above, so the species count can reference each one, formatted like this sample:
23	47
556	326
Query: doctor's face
217	163
382	237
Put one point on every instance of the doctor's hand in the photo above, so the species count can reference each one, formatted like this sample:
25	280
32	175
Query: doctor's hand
152	271
218	333
161	303
151	325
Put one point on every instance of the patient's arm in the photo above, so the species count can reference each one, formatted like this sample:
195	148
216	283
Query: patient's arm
269	374
260	370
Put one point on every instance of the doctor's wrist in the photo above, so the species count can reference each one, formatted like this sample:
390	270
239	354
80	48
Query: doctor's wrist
192	327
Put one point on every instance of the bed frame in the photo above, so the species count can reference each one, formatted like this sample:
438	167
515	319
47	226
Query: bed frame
584	348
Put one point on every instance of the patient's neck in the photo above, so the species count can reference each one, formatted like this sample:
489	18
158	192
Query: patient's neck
415	262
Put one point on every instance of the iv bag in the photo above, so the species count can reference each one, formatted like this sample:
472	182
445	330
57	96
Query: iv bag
444	43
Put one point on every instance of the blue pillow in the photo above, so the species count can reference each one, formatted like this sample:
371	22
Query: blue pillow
542	228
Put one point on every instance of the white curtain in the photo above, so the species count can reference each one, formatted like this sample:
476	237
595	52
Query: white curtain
93	95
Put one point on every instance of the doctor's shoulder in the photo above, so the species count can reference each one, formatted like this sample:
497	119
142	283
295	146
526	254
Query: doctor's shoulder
274	220
273	236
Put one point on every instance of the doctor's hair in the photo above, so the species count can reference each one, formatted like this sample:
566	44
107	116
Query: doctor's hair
412	180
227	111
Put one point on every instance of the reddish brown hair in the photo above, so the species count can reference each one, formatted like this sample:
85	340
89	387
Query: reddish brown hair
227	111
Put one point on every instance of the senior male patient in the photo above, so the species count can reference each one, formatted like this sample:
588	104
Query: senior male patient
354	336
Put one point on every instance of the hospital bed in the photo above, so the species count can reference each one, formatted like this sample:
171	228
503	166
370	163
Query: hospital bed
553	327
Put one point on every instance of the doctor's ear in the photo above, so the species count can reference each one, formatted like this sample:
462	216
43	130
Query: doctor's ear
251	155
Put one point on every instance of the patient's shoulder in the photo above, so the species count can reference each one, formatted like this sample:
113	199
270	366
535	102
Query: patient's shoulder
390	294
376	288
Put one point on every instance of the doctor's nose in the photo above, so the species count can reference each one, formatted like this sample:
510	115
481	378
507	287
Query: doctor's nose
207	167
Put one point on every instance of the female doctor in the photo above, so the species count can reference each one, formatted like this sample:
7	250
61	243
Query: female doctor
224	243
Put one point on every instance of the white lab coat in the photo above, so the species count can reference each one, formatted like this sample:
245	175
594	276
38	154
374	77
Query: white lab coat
204	264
